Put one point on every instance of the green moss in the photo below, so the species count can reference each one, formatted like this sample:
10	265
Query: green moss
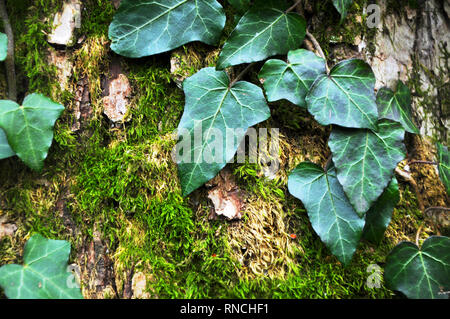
354	26
124	181
158	103
96	17
31	44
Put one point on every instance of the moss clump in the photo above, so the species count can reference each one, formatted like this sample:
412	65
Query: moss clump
30	31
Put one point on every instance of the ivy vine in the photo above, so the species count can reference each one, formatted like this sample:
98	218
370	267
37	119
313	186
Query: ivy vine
354	195
351	198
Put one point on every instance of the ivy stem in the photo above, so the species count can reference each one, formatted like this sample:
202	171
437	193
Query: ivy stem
318	48
328	163
418	235
240	75
407	176
9	62
422	162
293	7
429	209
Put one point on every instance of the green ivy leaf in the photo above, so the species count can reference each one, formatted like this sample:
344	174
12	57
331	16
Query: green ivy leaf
345	97
397	106
5	149
211	107
146	27
44	274
379	215
262	32
29	127
342	7
420	274
331	214
444	165
3	46
240	5
292	80
365	160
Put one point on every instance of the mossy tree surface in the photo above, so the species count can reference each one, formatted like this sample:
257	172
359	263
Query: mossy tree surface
122	181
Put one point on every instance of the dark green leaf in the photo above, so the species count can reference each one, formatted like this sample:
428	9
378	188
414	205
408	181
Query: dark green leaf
365	160
5	149
44	274
3	46
345	97
379	215
342	7
146	27
331	214
29	127
420	274
213	108
292	80
444	165
240	5
262	32
397	106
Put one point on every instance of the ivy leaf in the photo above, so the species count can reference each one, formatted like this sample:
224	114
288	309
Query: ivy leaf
146	27
444	165
29	127
262	32
342	7
44	274
215	111
3	46
345	97
292	80
379	215
420	274
365	160
331	214
240	5
397	106
5	149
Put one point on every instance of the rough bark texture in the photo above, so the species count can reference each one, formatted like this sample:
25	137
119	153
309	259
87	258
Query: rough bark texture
412	45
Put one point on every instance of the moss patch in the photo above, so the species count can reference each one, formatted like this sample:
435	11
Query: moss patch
122	183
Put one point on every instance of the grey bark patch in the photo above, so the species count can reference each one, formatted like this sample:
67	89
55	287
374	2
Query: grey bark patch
65	22
116	91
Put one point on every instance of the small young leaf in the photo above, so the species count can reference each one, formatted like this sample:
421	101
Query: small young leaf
365	160
345	97
212	113
262	32
44	274
29	127
3	46
342	7
240	5
331	214
5	149
379	215
420	274
292	80
146	27
444	165
397	106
